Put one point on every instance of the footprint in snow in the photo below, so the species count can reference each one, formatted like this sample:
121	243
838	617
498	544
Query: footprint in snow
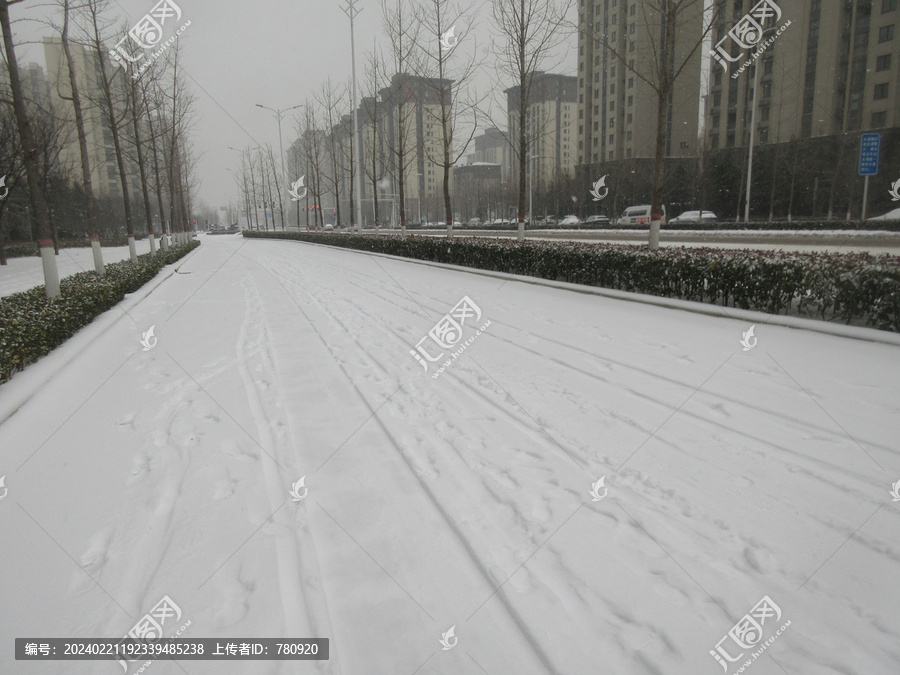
234	604
224	489
92	561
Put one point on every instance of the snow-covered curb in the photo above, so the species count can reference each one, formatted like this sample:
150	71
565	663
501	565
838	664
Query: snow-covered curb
800	323
37	374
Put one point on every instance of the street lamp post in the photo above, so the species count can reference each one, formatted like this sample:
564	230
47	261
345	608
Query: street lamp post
279	115
753	130
351	11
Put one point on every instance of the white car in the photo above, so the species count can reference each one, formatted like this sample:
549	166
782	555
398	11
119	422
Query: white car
695	217
569	221
329	226
890	215
638	215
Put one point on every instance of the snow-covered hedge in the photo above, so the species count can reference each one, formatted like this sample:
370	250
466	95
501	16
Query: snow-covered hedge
31	325
857	288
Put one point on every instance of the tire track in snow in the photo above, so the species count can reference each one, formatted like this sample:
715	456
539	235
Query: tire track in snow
529	637
304	606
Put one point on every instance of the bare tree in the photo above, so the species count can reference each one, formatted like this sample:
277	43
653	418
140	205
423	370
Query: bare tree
447	79
30	156
666	24
401	30
331	100
528	31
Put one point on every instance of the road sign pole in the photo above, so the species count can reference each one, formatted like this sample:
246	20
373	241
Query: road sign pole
865	197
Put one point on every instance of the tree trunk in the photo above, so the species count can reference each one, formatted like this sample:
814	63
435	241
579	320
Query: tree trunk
31	159
141	167
86	178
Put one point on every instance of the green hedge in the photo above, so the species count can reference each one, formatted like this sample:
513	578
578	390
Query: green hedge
31	325
852	287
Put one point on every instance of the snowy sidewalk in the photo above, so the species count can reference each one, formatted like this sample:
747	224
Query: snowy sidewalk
463	501
21	274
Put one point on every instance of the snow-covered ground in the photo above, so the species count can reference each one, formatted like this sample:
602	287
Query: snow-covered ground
20	274
459	501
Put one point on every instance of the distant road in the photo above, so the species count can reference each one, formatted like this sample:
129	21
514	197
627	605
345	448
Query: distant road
787	240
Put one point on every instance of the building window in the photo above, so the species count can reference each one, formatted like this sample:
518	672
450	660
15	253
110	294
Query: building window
628	152
767	89
612	89
612	71
597	76
596	110
580	129
888	6
610	154
631	11
631	83
581	114
631	28
596	126
631	100
715	121
717	100
768	66
612	122
763	135
611	139
596	93
883	62
631	64
581	98
629	118
764	114
879	120
613	19
886	33
595	156
718	79
596	141
631	46
612	104
628	136
881	91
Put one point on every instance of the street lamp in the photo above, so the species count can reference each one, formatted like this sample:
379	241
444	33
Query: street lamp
351	11
753	129
279	115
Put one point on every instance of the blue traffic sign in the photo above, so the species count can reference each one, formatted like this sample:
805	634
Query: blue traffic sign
869	147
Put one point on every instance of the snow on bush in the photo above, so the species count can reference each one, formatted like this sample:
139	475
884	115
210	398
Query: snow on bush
31	325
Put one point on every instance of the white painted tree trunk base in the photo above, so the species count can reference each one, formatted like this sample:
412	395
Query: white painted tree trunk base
99	267
152	244
164	242
654	234
521	235
51	273
132	249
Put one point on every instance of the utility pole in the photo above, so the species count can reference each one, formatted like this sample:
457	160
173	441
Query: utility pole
351	11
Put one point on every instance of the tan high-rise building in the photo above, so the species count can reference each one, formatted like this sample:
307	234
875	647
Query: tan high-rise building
617	110
550	124
104	169
835	69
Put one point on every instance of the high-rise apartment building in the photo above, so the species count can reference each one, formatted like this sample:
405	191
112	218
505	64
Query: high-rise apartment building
835	69
617	109
550	125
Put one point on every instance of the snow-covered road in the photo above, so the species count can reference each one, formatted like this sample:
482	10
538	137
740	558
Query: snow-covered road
460	501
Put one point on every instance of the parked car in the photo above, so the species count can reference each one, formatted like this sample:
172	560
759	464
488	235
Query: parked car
550	220
329	226
638	215
474	222
695	217
890	215
570	221
597	220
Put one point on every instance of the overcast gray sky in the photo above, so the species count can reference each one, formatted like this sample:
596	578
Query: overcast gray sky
273	52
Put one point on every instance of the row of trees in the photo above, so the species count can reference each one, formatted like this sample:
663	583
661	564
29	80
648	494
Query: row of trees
145	118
